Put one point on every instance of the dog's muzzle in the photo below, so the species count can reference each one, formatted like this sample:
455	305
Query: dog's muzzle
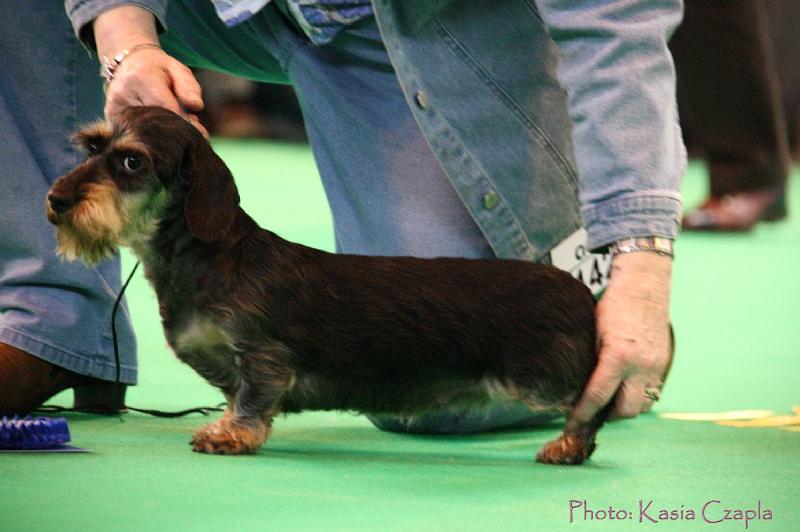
60	204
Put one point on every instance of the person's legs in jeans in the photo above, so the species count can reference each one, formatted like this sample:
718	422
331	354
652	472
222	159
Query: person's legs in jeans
59	312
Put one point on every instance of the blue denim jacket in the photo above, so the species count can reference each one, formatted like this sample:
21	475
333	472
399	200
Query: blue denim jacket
486	83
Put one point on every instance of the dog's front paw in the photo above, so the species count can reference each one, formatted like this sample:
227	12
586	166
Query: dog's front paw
567	449
228	437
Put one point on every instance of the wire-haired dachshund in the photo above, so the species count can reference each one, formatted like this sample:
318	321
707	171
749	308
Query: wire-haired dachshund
281	327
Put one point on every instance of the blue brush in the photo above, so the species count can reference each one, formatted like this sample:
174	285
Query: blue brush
33	433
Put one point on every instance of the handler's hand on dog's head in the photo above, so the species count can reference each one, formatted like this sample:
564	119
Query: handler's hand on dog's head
634	338
147	75
152	77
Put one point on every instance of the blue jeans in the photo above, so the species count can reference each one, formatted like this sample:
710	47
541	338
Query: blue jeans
387	191
58	311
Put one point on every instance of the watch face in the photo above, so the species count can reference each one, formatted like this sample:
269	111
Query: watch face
592	269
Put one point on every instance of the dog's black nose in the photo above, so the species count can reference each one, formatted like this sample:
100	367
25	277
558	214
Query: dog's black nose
60	204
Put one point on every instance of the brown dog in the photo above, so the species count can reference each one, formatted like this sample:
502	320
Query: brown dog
281	327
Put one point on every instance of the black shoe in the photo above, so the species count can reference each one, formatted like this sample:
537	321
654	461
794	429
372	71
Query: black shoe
100	397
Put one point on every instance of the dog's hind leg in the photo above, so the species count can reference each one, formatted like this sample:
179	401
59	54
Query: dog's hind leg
577	443
264	379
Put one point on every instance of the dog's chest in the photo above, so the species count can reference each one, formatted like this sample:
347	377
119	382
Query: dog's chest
199	334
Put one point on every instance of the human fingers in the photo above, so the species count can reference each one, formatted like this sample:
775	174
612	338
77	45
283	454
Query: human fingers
195	121
632	325
599	391
185	87
142	79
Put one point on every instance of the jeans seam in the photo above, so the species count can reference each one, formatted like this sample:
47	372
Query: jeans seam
287	52
534	10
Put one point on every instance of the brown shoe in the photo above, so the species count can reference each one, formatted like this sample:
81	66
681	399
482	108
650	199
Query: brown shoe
27	381
737	212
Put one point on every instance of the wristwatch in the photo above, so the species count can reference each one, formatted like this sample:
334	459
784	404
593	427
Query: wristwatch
653	244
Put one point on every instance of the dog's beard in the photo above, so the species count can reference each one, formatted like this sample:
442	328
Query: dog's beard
90	231
75	244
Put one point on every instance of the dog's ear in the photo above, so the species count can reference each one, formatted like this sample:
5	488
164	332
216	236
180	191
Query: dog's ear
212	202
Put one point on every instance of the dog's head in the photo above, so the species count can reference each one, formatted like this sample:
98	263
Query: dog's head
141	167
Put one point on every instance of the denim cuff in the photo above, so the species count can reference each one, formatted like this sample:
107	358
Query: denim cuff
653	213
99	366
83	12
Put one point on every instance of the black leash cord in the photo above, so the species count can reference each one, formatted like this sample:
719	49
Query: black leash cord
158	413
205	410
114	326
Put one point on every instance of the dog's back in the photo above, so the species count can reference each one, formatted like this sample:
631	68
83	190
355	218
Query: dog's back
398	334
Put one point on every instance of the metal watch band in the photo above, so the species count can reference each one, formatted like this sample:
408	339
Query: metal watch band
653	244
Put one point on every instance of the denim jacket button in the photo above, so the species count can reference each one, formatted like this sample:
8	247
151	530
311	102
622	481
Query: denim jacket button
490	199
421	99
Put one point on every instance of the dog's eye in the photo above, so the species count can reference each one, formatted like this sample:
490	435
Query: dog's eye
92	148
132	163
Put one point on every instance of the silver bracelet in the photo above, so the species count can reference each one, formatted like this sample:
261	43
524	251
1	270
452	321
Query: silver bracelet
110	65
653	244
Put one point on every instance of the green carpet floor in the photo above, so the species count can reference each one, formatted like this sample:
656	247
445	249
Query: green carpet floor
735	307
